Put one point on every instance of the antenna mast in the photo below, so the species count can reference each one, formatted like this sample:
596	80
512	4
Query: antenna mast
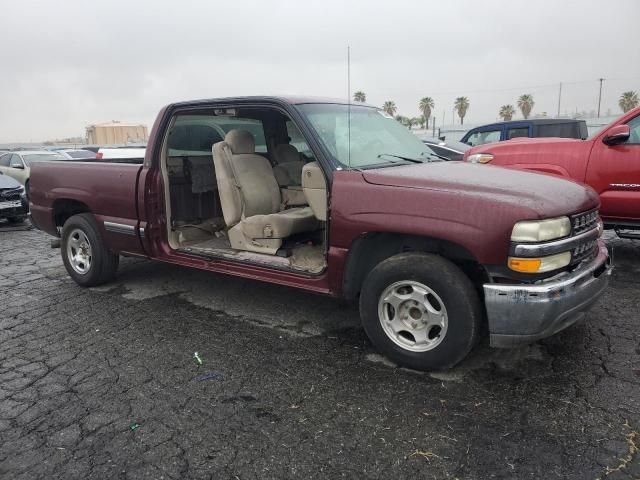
349	104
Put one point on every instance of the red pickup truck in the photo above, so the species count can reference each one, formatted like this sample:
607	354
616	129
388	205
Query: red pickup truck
609	162
340	200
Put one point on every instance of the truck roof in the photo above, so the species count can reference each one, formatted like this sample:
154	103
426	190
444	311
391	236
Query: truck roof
288	99
533	121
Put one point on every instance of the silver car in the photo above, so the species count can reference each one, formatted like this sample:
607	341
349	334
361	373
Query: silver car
18	164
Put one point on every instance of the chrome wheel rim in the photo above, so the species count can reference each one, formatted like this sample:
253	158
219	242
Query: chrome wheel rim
413	316
79	251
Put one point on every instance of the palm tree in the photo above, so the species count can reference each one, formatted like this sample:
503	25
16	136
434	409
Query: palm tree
629	100
390	107
421	121
425	106
525	104
507	112
461	105
359	96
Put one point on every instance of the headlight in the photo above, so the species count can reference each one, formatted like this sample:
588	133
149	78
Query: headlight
540	265
541	230
480	158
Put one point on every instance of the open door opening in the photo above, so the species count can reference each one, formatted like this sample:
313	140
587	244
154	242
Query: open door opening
243	184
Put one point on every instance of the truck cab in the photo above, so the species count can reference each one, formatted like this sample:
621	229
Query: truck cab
535	128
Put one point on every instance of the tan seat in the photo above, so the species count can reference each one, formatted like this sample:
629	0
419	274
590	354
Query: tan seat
288	169
250	197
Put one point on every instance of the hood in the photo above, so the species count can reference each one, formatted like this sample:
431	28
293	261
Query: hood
7	182
547	195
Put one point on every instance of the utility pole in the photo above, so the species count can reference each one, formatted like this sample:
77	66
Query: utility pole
600	95
559	97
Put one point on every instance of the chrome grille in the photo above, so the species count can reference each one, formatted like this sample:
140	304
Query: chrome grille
581	223
8	195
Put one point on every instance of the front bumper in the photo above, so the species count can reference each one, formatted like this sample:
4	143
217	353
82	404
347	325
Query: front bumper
520	314
19	210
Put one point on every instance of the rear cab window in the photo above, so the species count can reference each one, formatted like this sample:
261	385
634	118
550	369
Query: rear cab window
562	130
196	134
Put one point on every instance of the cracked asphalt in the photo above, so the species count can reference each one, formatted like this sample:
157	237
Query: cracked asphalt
102	383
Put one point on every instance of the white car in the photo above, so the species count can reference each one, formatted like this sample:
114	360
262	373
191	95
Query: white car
122	153
18	164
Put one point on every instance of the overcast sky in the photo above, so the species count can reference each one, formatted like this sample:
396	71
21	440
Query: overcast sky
72	63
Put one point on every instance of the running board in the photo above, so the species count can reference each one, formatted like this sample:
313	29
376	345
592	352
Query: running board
628	234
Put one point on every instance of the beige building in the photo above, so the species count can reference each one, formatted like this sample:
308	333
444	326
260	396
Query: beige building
116	133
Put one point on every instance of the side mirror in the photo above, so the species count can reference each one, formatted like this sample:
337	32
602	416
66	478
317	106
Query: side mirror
17	165
617	135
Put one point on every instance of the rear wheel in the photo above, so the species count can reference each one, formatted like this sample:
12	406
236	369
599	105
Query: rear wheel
17	219
420	310
84	253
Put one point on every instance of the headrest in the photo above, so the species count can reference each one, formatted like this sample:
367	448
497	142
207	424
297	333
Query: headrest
286	152
240	141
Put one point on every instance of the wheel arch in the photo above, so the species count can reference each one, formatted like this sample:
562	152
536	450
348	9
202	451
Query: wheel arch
370	249
65	208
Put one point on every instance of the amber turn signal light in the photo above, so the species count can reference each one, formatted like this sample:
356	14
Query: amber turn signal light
525	265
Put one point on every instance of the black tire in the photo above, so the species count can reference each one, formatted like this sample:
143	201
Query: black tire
26	189
16	219
102	264
462	309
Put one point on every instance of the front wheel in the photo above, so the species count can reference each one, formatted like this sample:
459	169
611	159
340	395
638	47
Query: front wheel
421	311
86	257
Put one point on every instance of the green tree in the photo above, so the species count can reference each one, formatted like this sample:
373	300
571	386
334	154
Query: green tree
425	106
359	96
390	107
461	105
628	101
525	104
507	112
421	121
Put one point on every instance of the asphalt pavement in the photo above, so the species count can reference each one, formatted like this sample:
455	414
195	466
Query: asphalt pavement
104	383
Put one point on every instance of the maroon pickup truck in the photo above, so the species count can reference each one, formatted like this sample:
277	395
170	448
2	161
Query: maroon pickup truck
609	162
339	200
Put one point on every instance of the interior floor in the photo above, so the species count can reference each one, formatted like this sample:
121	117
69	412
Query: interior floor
303	257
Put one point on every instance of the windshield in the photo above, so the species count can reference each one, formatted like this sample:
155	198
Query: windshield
41	157
376	138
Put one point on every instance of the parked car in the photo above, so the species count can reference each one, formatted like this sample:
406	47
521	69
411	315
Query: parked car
13	203
78	154
427	248
18	164
129	154
542	127
447	149
609	162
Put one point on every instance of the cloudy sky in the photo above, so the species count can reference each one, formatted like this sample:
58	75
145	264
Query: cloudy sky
71	63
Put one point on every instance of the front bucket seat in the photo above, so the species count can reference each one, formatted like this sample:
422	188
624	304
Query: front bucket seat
250	197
